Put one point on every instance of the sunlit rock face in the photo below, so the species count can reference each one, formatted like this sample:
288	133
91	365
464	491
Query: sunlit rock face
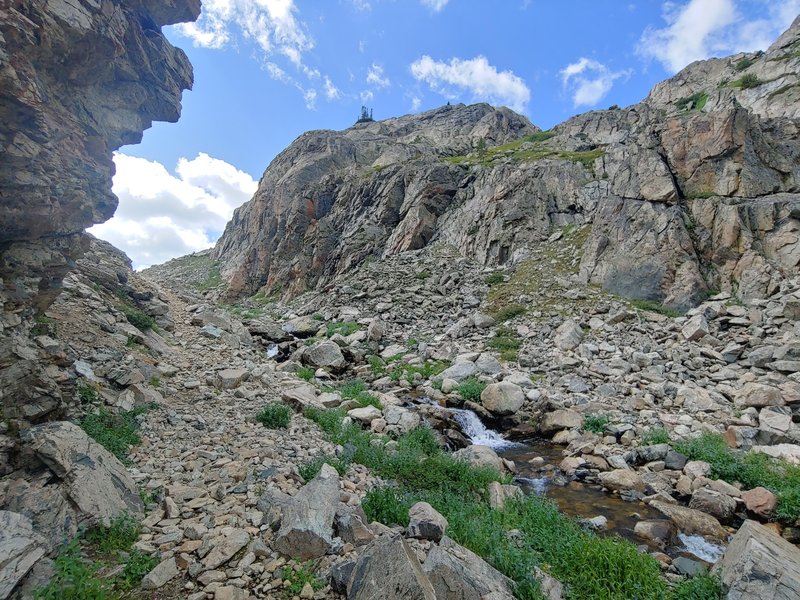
691	190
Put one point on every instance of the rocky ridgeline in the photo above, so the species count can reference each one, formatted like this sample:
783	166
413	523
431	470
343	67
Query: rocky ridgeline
692	190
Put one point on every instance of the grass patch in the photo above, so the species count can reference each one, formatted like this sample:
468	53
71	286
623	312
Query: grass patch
494	278
355	389
595	423
75	578
88	393
699	587
274	416
305	373
746	82
213	279
343	328
298	576
654	306
311	469
115	432
781	90
471	389
376	365
751	469
120	536
745	63
694	102
423	275
506	342
428	369
656	435
138	318
509	311
138	565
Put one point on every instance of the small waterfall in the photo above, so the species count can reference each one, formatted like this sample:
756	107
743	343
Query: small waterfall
701	548
536	485
477	432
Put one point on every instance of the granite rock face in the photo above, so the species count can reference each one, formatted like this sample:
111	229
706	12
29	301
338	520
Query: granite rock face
78	80
693	189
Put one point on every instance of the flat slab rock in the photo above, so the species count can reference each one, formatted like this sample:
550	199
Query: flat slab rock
20	548
759	564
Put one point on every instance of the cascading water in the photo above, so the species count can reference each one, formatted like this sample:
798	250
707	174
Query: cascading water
477	432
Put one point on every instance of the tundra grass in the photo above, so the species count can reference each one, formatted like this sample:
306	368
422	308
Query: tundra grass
525	533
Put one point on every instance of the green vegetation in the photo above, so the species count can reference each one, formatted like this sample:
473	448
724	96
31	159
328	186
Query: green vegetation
43	325
355	389
657	435
700	195
506	342
376	365
305	373
656	307
138	318
344	328
494	278
428	369
298	576
78	578
595	423
471	389
115	432
312	468
699	587
746	82
509	311
274	416
423	275
781	90
694	102
528	148
743	64
212	280
751	469
87	392
592	567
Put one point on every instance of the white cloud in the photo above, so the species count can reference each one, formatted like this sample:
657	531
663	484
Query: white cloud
416	102
310	96
331	91
476	76
699	29
366	96
161	216
362	5
375	76
435	5
589	81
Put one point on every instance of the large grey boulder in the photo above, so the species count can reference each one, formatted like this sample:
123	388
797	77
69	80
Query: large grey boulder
85	485
306	530
425	522
690	520
20	548
759	564
458	371
502	398
325	354
457	573
388	569
560	419
569	335
480	456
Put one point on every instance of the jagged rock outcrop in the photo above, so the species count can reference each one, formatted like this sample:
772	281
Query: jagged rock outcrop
691	190
77	80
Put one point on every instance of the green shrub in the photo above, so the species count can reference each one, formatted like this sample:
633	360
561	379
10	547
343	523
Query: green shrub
274	416
747	81
343	328
305	373
87	392
656	307
115	432
137	566
471	389
387	505
751	469
298	576
743	64
657	435
428	369
595	423
506	342
699	587
422	275
376	365
120	536
75	578
138	318
509	311
697	101
494	278
311	469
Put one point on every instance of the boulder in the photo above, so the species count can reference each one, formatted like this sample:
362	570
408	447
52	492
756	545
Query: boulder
622	480
458	371
388	569
758	395
659	531
225	546
228	379
695	328
488	364
325	354
760	501
502	398
558	420
500	493
302	327
713	502
425	522
759	564
162	574
480	456
306	529
455	572
366	414
299	395
20	548
689	520
400	420
568	336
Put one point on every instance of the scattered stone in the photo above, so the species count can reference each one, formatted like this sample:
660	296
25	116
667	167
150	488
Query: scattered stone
760	501
162	574
425	523
502	398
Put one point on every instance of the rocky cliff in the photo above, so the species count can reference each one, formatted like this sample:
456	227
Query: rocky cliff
693	189
78	79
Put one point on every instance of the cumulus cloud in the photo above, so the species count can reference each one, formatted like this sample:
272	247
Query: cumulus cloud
589	81
375	76
271	24
475	76
699	29
435	5
331	91
161	215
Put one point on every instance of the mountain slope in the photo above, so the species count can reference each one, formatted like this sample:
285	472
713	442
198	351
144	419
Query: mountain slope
693	189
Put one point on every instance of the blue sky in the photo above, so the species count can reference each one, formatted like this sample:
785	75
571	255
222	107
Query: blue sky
268	70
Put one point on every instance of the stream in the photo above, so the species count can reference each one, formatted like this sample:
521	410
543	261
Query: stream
574	498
